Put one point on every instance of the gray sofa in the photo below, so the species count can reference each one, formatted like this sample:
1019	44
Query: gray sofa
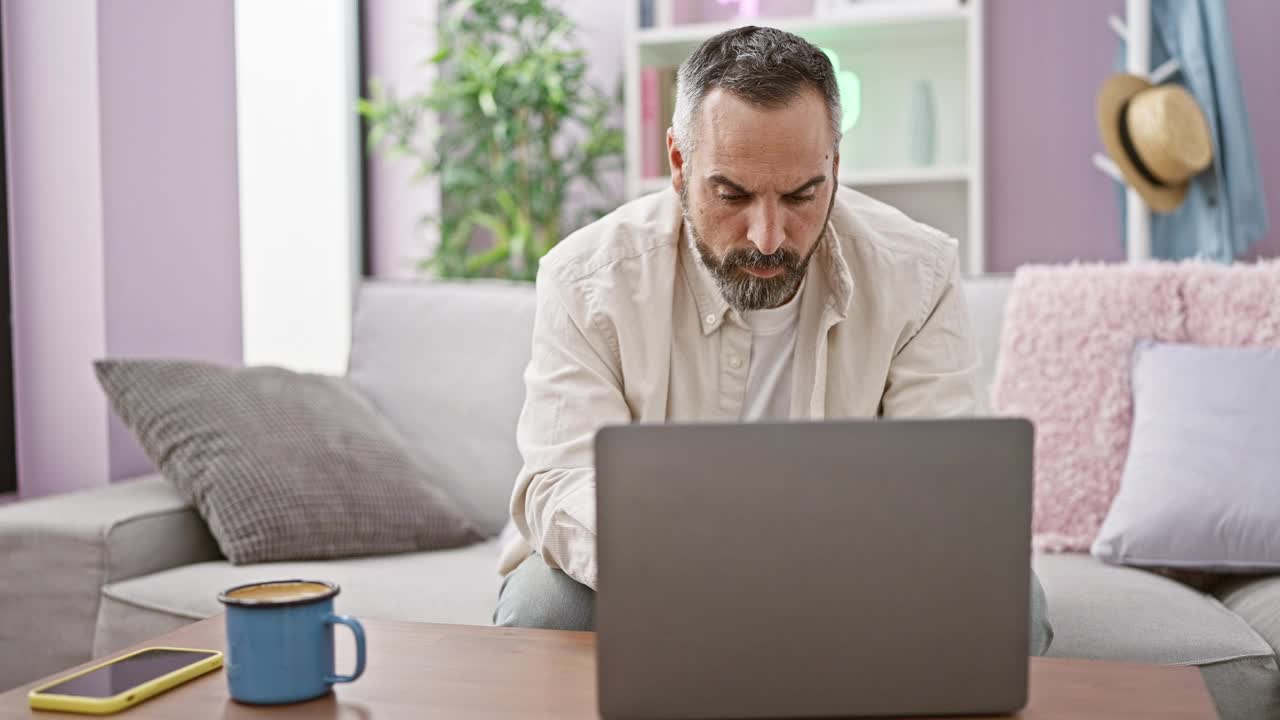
87	573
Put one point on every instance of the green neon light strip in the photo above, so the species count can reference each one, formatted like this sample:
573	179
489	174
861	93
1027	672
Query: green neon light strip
850	92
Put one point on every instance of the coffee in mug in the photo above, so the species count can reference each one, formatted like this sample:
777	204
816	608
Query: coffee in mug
280	591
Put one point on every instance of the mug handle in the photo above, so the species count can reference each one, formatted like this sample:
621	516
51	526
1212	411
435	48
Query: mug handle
358	630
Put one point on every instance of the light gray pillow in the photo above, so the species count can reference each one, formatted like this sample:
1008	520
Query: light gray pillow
282	465
1201	485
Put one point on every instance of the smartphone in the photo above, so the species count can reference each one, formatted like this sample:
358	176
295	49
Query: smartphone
114	685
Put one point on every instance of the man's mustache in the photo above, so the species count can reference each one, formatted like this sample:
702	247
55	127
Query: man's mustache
757	260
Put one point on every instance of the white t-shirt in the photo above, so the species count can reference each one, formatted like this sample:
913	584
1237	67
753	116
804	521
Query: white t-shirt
773	344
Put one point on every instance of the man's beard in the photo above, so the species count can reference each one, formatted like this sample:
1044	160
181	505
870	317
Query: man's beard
743	290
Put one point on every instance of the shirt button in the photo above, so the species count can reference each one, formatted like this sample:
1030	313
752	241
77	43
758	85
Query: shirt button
710	319
735	361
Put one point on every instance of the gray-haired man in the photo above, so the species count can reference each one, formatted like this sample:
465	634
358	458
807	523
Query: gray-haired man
756	289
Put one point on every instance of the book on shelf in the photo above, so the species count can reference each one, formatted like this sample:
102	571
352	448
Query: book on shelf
647	13
649	122
657	105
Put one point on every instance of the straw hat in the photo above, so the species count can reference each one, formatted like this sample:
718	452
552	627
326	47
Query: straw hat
1156	135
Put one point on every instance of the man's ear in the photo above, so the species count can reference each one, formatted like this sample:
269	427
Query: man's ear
677	161
835	168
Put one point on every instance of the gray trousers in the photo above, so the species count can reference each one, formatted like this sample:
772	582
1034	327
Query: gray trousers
535	595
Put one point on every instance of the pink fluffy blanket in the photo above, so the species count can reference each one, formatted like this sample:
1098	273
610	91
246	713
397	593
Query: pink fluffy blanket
1064	363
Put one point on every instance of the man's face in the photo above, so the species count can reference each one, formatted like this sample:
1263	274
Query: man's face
757	192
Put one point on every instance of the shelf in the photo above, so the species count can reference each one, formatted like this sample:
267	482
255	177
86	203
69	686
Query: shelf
870	25
864	178
868	15
906	176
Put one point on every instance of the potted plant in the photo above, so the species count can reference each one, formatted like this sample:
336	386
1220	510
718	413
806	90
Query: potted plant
517	125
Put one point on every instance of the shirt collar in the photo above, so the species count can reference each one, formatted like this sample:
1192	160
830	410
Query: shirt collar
706	294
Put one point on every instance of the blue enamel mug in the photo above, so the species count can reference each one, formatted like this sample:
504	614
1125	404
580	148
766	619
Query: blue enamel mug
280	641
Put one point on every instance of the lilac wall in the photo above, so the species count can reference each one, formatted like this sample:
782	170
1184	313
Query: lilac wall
124	213
398	35
51	86
1045	201
1045	62
1253	27
170	202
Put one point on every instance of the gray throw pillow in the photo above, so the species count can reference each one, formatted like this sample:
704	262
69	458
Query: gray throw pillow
282	465
1201	485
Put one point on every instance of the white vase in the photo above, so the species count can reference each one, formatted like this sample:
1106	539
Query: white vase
922	125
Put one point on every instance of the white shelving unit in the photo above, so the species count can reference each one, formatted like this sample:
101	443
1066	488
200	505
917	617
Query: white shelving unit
891	46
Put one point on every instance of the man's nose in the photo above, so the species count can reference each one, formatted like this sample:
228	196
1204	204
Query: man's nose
765	230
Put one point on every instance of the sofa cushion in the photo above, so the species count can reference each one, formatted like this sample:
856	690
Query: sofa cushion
444	362
1199	488
446	586
986	295
282	465
1257	600
1233	305
1109	612
57	552
1064	363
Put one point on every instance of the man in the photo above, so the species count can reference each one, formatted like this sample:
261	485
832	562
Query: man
757	290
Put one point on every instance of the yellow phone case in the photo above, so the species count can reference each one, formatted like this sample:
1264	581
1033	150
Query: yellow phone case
128	698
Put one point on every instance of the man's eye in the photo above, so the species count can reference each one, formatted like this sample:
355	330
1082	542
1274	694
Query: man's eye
798	199
733	198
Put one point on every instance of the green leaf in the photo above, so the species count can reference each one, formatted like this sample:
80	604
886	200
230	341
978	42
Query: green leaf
488	258
487	103
499	227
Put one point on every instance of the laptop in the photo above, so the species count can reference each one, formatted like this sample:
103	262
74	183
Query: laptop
813	569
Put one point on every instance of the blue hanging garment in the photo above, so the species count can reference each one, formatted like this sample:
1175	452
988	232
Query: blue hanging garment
1225	212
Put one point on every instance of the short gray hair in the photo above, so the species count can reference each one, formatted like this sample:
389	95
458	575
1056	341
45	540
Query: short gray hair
763	66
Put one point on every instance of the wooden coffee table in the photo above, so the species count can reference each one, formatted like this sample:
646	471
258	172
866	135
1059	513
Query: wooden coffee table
456	671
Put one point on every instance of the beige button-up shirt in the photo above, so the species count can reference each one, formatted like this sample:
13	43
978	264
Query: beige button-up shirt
631	327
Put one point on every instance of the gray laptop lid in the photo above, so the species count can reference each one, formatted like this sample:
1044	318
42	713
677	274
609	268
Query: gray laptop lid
813	569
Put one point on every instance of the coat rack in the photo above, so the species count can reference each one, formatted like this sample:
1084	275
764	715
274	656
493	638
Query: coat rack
1135	32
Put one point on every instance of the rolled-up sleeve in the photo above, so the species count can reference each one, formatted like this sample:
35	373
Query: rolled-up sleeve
573	387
